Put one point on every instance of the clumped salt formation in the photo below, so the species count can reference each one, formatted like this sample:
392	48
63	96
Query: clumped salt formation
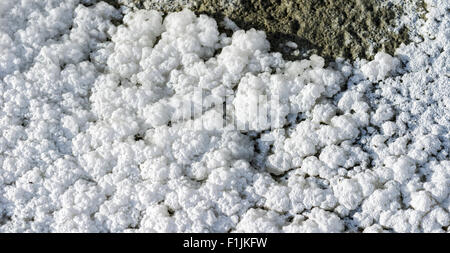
95	138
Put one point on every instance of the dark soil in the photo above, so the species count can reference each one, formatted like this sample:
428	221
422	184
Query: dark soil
330	28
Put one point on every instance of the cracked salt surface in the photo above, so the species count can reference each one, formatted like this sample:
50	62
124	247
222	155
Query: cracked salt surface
109	128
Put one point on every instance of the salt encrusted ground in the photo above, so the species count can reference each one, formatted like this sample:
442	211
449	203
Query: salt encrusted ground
93	137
